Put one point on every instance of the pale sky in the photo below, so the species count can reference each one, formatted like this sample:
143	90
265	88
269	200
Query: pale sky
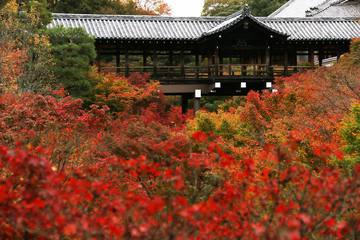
186	8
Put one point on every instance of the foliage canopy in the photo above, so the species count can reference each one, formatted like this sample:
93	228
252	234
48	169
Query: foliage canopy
228	7
73	50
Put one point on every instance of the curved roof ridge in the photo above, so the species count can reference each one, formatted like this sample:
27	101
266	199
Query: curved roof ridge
245	13
136	17
309	19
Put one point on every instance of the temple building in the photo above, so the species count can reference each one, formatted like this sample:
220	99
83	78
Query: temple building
196	56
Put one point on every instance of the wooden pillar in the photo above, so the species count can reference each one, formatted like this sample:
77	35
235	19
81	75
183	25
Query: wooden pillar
171	58
196	104
197	63
286	62
98	62
197	98
182	63
311	58
259	58
144	60
338	54
127	69
216	61
321	56
118	70
155	63
221	67
210	65
170	69
267	56
268	61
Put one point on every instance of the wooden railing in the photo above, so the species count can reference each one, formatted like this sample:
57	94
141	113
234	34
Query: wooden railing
212	72
289	70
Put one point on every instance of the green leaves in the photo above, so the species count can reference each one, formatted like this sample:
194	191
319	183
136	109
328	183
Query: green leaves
73	50
228	7
350	132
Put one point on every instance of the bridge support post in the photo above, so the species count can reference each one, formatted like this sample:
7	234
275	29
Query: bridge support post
197	100
184	103
196	104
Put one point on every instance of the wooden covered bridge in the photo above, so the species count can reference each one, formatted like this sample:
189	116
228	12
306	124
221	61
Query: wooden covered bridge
213	55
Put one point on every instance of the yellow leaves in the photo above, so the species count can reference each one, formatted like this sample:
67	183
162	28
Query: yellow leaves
11	66
41	40
233	119
10	7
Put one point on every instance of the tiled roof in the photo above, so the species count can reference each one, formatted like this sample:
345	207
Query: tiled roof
185	28
316	28
137	27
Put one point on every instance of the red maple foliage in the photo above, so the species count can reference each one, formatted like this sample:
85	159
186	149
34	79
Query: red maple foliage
273	196
135	170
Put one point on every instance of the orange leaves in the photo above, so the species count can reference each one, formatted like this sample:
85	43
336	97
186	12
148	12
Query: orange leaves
153	7
11	66
128	95
70	229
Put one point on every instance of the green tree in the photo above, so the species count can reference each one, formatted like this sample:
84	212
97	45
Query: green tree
265	7
22	37
3	3
228	7
222	7
90	6
73	50
35	12
350	132
132	7
355	52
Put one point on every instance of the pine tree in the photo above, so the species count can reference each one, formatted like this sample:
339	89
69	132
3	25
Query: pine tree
73	50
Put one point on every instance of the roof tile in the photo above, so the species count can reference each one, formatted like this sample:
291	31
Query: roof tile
175	28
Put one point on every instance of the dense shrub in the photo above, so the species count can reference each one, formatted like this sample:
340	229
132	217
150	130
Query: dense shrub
202	195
